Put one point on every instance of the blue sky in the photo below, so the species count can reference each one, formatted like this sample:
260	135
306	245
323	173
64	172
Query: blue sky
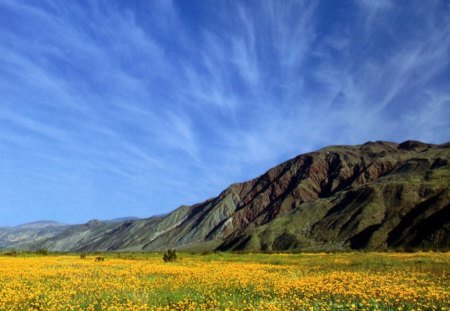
132	108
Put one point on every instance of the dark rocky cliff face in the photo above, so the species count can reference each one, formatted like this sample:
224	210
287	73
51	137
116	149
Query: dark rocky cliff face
378	195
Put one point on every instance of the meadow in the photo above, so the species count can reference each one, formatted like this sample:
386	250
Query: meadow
227	281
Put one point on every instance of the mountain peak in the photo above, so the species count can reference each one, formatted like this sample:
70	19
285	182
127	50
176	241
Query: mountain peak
377	195
413	145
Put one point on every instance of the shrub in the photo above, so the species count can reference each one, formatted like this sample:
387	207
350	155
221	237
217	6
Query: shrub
82	256
42	251
98	258
11	253
170	255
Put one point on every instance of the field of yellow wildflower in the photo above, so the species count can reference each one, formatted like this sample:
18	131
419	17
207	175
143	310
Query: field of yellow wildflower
224	281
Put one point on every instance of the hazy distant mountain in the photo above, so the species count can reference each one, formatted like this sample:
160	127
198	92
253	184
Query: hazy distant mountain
40	224
23	235
378	195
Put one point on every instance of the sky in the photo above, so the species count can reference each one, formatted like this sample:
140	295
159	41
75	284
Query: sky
133	108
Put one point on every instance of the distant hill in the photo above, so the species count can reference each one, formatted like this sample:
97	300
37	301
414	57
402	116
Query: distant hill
26	235
376	196
23	235
40	224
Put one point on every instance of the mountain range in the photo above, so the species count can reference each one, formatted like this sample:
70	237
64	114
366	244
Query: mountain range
374	196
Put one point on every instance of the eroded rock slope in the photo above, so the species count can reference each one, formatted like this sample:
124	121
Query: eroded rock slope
378	195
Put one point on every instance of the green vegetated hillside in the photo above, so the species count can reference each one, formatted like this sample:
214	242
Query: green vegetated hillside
378	195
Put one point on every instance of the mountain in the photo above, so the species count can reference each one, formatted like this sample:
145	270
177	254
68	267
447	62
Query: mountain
377	196
27	235
122	219
42	224
23	235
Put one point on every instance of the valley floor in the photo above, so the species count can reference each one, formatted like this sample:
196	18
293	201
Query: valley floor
227	281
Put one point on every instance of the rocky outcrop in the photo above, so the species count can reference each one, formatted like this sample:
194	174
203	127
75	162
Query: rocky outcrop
378	195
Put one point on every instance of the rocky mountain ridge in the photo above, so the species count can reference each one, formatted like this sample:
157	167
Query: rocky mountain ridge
22	235
378	195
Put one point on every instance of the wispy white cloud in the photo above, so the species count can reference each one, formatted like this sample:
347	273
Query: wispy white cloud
164	105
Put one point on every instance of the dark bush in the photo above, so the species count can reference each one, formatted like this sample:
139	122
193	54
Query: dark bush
42	251
82	256
98	258
11	253
170	255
